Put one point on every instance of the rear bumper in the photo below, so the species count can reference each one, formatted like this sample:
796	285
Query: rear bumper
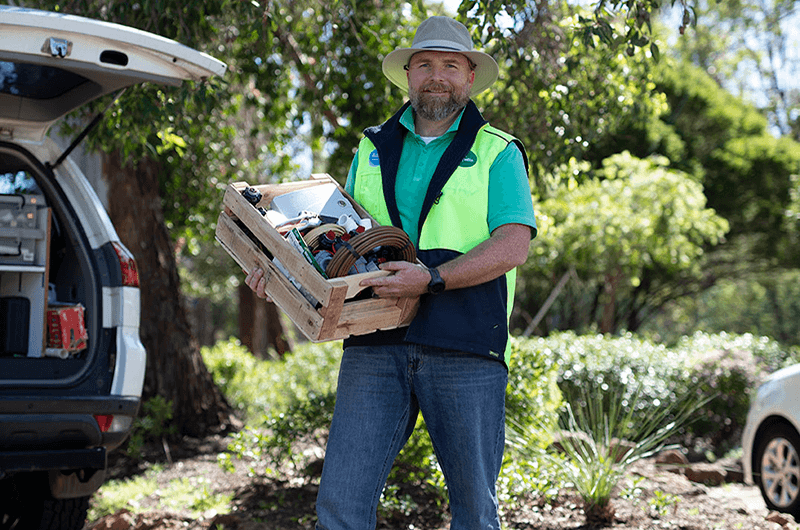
52	460
53	424
67	473
43	404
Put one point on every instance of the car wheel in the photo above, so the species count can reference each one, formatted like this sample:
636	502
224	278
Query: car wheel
777	468
48	514
26	505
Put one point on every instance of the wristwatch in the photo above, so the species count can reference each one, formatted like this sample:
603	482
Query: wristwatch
436	285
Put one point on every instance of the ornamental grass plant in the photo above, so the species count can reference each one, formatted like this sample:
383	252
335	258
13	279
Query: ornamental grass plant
601	439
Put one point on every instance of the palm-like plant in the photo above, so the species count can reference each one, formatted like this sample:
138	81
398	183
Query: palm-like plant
597	455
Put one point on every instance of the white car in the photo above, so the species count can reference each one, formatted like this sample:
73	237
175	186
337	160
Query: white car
71	360
771	443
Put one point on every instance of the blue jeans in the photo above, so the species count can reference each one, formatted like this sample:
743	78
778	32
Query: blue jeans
381	390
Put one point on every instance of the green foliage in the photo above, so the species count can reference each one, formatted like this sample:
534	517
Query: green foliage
632	215
731	142
259	387
152	425
285	401
763	304
128	494
633	231
727	370
748	48
557	95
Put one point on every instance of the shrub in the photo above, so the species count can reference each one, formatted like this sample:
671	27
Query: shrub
624	366
260	387
533	396
720	370
727	370
533	401
285	401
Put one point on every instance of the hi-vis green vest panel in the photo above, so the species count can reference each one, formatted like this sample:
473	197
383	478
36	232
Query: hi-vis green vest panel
462	207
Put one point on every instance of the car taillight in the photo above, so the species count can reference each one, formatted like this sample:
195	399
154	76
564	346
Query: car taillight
104	421
130	275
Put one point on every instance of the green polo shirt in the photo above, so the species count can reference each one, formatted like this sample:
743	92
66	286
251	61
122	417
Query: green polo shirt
509	190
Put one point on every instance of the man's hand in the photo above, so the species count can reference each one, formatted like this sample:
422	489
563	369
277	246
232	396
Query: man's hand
409	280
255	280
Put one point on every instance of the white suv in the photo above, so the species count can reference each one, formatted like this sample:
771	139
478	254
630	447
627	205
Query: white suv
71	361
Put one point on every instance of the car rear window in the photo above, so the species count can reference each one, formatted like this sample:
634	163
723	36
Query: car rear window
35	81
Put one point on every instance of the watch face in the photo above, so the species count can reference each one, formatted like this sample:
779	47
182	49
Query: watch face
436	285
436	288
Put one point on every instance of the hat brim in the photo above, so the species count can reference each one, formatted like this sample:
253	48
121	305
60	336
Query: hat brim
486	70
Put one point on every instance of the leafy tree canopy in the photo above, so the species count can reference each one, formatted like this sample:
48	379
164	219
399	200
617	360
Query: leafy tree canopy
631	224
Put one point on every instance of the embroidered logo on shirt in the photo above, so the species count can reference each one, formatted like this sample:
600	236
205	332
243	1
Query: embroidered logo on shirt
373	159
470	160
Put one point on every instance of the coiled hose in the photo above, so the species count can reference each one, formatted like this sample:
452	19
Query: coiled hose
389	238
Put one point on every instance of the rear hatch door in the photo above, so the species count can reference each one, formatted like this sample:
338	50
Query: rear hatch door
52	63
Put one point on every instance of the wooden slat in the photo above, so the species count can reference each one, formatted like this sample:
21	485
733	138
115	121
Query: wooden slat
284	294
408	307
289	257
364	316
333	311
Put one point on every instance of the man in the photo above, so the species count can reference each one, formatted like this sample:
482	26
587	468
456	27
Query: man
459	188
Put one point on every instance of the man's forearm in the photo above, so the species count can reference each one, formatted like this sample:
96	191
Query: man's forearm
505	250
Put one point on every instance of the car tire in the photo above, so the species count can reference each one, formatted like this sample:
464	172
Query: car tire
26	505
48	514
776	468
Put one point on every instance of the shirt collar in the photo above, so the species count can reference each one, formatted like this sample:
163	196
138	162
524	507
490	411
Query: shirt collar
407	120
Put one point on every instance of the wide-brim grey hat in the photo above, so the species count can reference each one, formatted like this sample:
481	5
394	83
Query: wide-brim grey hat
441	34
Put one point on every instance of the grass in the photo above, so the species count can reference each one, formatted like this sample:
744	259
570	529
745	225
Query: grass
193	493
115	495
142	493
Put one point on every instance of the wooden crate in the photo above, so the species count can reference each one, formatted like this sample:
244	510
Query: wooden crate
337	314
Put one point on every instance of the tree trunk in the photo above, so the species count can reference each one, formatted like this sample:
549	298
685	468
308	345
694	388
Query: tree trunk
175	369
608	320
199	311
260	325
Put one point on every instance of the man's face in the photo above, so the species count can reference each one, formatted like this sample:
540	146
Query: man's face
439	83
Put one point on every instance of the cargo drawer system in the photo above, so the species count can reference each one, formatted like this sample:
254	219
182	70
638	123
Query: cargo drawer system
24	260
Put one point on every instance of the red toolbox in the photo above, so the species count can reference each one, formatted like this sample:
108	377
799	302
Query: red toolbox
66	328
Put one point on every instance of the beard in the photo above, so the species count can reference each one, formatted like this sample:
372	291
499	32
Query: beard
436	108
